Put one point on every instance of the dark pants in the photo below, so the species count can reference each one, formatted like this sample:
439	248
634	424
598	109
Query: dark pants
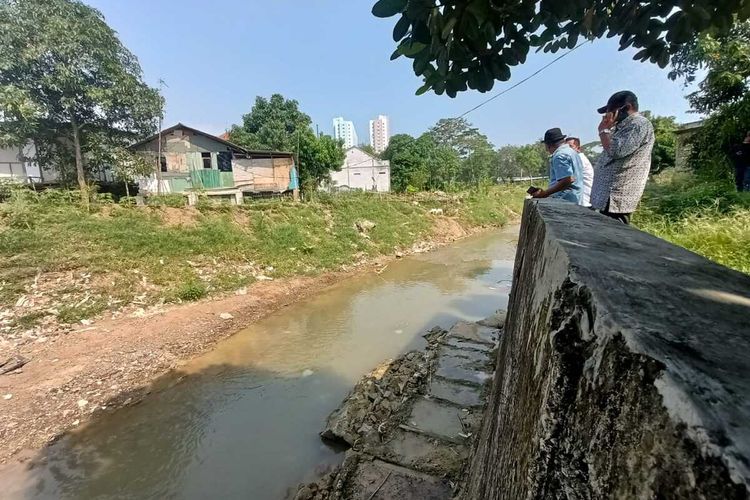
742	178
624	218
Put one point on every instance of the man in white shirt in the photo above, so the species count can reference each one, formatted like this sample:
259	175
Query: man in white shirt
588	171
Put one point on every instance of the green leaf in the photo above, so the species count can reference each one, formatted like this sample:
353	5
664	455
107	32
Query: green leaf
411	49
424	88
388	8
448	27
401	28
500	71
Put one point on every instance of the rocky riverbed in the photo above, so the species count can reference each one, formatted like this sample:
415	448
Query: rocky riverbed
410	423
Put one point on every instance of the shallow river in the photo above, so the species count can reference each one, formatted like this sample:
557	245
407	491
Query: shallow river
242	420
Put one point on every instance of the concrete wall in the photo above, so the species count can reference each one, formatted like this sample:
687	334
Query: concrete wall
362	171
683	148
623	372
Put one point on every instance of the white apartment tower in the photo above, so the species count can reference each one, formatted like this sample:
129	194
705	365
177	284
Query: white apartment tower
380	133
344	130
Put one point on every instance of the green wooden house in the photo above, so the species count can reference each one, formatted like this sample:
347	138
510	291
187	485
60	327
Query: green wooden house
192	160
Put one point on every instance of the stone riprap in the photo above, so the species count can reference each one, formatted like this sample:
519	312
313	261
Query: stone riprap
623	369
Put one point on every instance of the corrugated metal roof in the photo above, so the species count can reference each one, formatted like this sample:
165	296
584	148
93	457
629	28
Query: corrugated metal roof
231	145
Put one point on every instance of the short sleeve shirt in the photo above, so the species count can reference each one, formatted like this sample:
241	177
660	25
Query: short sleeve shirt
566	162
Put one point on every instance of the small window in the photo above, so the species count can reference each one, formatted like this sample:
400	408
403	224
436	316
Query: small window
163	164
206	160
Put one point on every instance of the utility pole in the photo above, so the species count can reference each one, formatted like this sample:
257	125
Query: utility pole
295	191
162	84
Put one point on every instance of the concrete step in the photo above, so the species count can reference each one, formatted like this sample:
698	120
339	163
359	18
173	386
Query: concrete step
458	394
460	343
378	480
438	419
474	332
424	453
462	369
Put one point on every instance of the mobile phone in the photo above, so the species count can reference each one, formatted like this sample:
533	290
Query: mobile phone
532	189
622	113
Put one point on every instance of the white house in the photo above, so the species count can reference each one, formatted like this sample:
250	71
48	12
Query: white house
19	164
362	171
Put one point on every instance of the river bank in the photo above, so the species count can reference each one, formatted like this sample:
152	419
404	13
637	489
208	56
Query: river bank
244	416
108	362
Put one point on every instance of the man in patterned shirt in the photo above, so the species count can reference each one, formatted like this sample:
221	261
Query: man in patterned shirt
623	167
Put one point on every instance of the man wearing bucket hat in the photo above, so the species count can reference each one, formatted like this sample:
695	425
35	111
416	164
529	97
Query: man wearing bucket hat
565	170
622	169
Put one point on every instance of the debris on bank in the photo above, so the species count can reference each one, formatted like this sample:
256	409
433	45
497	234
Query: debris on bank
410	423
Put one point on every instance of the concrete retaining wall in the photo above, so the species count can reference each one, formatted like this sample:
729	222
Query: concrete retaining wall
623	372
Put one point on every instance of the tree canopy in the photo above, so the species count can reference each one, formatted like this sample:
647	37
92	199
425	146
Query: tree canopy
723	60
68	84
665	142
469	44
271	124
726	61
521	161
278	124
454	153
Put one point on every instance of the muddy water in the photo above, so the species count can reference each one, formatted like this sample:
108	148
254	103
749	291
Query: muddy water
242	420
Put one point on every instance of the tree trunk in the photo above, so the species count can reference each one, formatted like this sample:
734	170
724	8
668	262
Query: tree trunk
79	160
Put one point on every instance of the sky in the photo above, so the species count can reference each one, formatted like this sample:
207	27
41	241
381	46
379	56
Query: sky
333	57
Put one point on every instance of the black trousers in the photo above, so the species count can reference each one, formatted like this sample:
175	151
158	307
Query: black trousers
622	217
741	178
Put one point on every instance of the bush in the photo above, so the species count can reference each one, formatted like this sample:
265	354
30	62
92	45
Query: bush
167	200
707	217
60	196
127	201
191	290
710	145
103	198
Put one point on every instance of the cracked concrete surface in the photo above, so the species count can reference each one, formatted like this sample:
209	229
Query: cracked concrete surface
622	371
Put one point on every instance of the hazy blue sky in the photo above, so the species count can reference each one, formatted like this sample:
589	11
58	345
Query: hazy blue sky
333	57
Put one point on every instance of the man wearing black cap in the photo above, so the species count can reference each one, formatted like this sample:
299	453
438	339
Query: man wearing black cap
565	171
623	167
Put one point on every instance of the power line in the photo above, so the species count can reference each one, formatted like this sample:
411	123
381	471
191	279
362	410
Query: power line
505	91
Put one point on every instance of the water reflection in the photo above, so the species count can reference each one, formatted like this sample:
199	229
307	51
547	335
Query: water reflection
242	420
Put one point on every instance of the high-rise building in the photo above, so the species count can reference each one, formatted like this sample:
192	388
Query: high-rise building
380	133
344	130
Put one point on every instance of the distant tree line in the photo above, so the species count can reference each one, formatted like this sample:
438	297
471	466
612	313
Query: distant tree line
455	154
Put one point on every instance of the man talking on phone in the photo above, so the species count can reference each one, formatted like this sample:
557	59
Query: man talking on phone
622	169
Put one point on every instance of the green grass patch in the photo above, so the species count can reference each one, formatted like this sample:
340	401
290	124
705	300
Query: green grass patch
75	313
145	254
31	319
706	217
191	291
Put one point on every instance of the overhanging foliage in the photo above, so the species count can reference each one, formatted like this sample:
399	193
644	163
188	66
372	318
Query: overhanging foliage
469	44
